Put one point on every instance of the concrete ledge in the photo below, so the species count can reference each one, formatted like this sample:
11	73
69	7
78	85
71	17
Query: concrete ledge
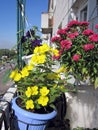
82	107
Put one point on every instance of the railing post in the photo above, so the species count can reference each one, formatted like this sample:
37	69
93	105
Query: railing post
20	30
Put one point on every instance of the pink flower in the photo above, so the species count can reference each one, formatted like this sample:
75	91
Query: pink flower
96	26
88	47
84	23
76	57
61	51
73	35
73	23
66	29
88	32
61	32
66	44
55	39
93	38
55	57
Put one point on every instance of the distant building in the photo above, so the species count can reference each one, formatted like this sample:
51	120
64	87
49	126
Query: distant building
60	12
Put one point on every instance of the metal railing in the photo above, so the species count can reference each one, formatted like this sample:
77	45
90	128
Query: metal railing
5	108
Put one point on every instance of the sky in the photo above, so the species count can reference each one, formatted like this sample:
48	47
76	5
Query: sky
8	19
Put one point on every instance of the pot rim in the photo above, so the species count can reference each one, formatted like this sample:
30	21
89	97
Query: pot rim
16	108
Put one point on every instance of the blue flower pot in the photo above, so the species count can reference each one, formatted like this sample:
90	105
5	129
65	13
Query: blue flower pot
24	120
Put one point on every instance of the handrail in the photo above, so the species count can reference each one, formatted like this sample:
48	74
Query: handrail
5	108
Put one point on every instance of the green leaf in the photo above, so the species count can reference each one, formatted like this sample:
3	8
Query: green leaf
84	70
96	83
52	106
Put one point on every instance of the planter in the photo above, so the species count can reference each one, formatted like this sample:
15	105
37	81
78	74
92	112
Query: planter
27	59
82	107
24	120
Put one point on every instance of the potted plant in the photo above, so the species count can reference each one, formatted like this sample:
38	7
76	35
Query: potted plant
38	85
29	41
78	48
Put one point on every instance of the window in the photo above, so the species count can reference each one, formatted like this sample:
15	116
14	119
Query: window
83	14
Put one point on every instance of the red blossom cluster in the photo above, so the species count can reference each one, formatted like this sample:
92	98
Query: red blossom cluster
66	38
78	47
88	47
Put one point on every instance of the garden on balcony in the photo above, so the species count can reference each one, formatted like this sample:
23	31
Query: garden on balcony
54	83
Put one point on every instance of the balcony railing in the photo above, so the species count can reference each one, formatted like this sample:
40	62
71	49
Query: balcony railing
5	109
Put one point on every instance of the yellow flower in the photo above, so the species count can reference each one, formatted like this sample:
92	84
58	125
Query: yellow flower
41	59
29	104
17	77
61	69
30	67
37	50
41	49
43	100
44	48
33	59
13	73
55	52
38	59
24	72
44	91
28	92
34	90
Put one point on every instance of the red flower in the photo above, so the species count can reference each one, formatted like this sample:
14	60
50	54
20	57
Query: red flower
66	44
61	51
76	57
88	47
73	23
61	32
66	29
93	38
55	39
73	35
84	23
88	32
55	57
96	26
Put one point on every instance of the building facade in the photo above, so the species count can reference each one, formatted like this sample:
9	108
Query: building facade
60	12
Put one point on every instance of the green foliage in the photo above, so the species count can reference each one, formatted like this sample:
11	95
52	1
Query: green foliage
78	49
38	83
30	40
7	52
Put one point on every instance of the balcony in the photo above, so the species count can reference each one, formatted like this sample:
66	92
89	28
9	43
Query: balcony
46	23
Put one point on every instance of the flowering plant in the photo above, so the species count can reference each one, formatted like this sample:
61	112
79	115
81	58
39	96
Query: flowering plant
78	48
30	40
38	83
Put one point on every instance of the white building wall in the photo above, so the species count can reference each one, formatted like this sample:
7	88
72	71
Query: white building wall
44	19
61	14
66	11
